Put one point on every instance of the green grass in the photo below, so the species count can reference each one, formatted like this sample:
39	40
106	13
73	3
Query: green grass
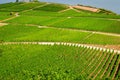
22	7
43	62
40	13
30	33
4	13
52	7
73	13
93	24
84	23
70	13
30	19
104	39
4	17
6	5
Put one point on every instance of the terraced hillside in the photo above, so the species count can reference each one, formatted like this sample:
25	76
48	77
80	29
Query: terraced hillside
50	41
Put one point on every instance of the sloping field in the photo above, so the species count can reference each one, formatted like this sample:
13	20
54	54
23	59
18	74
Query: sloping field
52	7
6	5
56	62
84	23
49	41
35	33
21	7
69	13
4	15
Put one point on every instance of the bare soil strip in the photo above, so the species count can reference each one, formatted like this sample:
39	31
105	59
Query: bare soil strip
3	24
87	8
67	44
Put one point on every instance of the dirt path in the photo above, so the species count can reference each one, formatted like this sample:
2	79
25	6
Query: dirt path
90	46
9	18
3	24
64	10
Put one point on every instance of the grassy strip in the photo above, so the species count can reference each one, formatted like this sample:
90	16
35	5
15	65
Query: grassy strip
70	13
23	7
93	24
52	7
6	5
30	33
4	17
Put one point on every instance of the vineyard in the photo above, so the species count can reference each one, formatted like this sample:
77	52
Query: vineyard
57	62
51	41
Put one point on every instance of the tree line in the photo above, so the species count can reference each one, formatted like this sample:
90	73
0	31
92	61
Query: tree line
29	0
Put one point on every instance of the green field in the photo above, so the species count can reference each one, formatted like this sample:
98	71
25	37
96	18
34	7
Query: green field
52	7
21	7
5	15
35	22
34	33
6	5
84	23
69	13
54	62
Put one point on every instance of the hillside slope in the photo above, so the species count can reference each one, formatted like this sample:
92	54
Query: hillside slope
51	41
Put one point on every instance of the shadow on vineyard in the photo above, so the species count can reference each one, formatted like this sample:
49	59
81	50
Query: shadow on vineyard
1	41
1	51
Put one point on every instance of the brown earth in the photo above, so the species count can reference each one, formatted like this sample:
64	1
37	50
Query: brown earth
87	8
3	24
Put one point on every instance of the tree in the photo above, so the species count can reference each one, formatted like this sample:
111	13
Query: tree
17	0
